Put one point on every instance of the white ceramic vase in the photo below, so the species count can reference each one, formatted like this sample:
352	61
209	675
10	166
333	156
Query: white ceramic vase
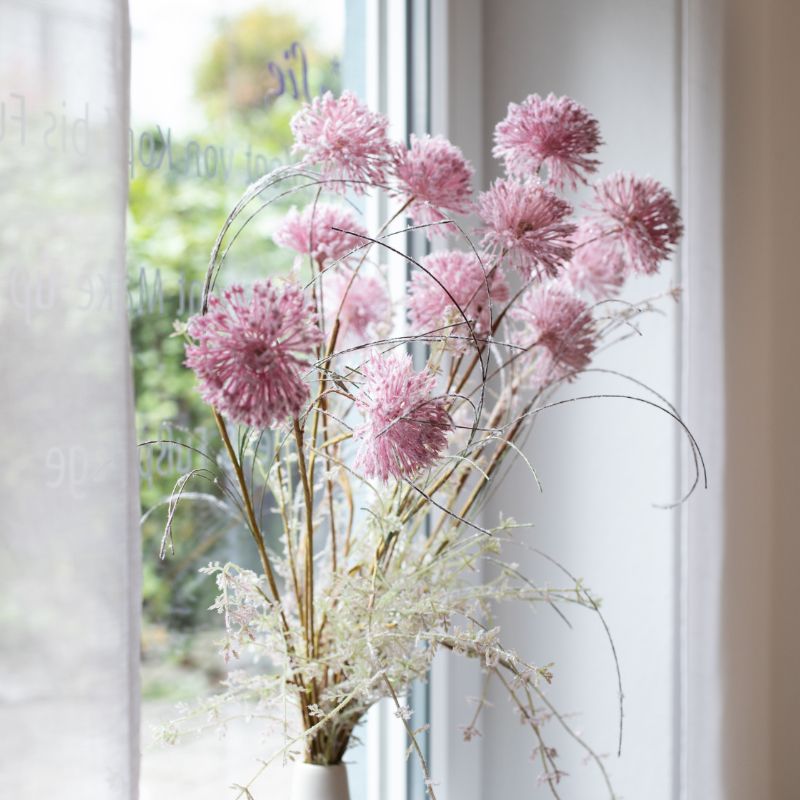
315	782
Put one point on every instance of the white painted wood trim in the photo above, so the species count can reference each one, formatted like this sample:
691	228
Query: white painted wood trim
456	112
387	91
700	728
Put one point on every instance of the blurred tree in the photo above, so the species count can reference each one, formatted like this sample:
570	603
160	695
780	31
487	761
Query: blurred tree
263	61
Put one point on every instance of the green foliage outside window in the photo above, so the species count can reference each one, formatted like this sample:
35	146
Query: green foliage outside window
254	75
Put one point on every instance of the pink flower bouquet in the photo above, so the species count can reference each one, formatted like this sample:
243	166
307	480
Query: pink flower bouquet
361	424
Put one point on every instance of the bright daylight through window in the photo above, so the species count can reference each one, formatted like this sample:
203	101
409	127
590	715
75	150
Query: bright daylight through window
212	91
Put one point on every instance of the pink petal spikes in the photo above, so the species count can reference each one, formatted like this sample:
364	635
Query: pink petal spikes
249	355
405	427
345	139
528	223
435	173
554	132
470	286
557	327
366	313
311	232
641	216
597	266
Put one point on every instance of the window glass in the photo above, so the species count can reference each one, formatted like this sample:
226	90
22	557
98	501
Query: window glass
213	88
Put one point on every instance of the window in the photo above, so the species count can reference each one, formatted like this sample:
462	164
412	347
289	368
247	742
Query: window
213	89
209	113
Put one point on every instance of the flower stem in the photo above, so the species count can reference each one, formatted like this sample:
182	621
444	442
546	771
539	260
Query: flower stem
249	511
309	543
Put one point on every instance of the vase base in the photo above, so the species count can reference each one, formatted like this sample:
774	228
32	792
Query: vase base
319	782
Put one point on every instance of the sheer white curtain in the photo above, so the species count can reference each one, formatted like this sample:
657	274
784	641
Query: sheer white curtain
68	537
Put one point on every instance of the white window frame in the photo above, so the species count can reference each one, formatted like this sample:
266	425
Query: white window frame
456	108
457	111
701	768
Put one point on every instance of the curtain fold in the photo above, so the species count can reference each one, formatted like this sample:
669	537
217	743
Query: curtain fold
69	566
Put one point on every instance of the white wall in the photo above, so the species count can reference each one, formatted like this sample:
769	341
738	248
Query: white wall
456	111
761	656
702	603
784	178
602	463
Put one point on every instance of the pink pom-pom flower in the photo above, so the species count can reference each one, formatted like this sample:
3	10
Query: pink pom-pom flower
528	223
249	355
456	280
597	266
312	232
405	427
345	139
640	216
557	328
366	312
435	173
554	132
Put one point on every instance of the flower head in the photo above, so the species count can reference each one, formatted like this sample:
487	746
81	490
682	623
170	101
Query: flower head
557	327
456	281
248	354
405	427
311	232
528	223
347	140
598	265
435	173
366	312
554	132
641	216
